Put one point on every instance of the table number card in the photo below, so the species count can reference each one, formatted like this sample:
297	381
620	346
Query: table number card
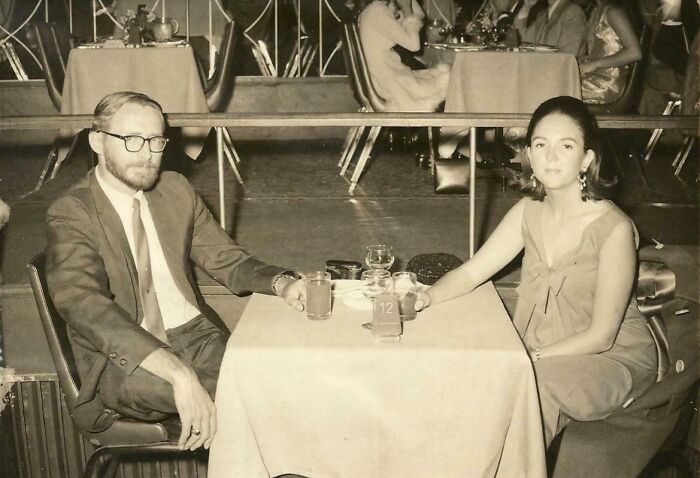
386	322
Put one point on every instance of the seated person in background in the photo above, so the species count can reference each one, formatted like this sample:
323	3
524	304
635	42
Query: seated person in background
119	246
561	25
382	24
611	45
590	346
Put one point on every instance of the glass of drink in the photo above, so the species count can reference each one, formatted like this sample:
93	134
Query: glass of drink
379	256
375	282
318	295
406	289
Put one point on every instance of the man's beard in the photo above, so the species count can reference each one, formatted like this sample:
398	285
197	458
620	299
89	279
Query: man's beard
144	174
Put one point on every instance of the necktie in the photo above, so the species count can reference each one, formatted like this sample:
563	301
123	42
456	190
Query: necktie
149	301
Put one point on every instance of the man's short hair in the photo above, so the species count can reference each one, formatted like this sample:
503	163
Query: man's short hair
112	103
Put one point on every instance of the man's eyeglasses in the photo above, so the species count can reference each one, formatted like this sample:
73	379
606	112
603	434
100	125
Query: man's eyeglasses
134	143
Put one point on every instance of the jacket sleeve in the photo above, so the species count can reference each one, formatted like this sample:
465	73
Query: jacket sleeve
214	251
573	30
80	288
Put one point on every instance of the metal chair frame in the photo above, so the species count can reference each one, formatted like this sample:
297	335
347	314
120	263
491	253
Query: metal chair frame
370	100
124	438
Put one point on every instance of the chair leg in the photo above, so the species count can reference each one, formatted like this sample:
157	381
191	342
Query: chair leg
431	149
671	106
231	156
683	153
69	154
349	138
686	140
229	141
353	147
373	133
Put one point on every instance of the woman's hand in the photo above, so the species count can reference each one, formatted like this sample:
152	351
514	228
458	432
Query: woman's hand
589	67
422	300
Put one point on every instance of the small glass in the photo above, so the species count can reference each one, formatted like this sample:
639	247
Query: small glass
406	289
375	282
379	256
318	295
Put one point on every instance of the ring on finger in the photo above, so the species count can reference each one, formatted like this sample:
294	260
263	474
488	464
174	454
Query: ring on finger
196	432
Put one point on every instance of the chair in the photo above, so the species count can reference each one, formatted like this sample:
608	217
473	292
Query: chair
653	426
690	106
52	43
218	88
368	97
630	96
125	438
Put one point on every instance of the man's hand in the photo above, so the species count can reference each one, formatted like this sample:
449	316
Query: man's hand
197	411
194	405
294	294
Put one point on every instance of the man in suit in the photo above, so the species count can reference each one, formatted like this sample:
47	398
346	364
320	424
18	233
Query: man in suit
120	242
562	24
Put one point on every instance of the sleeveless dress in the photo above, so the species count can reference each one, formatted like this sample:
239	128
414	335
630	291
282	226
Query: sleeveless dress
404	89
603	85
557	302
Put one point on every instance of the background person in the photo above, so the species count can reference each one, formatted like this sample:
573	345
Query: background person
590	346
382	25
611	46
562	25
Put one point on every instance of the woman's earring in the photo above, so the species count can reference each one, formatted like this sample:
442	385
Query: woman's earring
533	180
582	181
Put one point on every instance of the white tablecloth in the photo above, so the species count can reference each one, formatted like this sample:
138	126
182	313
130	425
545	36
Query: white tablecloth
456	397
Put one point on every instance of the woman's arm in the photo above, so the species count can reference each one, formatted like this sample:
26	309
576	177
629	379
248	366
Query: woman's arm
500	248
403	32
616	270
631	50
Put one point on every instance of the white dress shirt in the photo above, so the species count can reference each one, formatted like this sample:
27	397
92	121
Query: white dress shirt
174	307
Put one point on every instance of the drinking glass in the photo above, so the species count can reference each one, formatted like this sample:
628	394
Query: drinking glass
375	282
406	289
318	295
379	256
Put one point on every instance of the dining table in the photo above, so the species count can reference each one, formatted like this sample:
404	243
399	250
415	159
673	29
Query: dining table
455	396
166	72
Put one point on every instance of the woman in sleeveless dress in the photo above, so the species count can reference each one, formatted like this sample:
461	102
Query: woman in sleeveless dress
611	47
383	25
591	350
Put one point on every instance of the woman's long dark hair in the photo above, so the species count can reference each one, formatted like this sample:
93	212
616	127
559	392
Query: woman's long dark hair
596	187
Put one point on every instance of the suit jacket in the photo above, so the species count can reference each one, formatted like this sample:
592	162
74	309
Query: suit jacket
566	29
92	277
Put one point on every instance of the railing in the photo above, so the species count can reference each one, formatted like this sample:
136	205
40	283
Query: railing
306	47
470	121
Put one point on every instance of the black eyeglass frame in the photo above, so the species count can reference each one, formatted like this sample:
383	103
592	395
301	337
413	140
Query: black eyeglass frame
127	137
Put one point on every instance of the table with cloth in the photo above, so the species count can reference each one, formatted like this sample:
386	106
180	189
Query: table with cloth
455	397
499	81
166	74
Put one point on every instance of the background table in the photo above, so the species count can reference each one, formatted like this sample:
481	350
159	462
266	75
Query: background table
456	397
509	82
168	75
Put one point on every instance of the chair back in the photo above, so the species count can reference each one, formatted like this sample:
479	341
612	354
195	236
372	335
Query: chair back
377	103
656	285
56	332
351	66
218	89
52	50
633	86
123	431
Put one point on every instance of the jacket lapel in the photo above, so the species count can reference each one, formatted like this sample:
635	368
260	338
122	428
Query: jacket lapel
113	230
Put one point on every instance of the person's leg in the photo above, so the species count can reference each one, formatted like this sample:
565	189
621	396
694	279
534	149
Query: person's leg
579	387
143	396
